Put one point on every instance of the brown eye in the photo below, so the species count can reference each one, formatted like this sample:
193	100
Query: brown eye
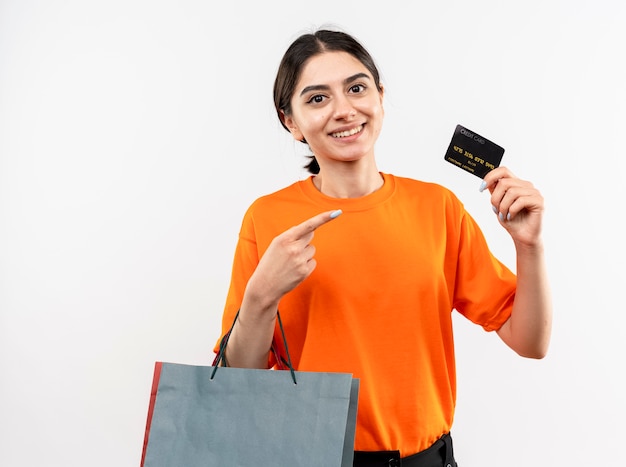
316	99
356	89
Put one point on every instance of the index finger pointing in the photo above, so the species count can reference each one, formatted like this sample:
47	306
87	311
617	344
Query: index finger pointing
315	222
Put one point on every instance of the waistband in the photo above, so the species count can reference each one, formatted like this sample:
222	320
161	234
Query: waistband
440	454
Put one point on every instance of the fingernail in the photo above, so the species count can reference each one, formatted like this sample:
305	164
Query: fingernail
335	213
495	209
508	217
483	185
501	216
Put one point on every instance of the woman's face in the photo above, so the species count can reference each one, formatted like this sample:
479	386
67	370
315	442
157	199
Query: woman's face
337	108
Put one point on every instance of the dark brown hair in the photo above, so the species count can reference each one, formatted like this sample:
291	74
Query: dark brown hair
296	56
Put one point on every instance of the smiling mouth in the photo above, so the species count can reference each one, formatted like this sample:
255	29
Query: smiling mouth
343	134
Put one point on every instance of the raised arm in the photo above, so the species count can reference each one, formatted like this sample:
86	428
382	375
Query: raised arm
286	263
519	207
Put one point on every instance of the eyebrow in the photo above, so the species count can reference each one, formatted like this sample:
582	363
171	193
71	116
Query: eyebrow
324	87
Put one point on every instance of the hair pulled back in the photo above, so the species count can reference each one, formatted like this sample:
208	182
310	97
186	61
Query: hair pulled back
297	55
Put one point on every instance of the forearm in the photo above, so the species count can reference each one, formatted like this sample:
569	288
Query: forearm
286	263
529	328
251	337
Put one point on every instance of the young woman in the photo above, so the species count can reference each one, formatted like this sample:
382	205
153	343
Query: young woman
372	294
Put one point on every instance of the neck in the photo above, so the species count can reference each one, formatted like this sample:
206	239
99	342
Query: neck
348	183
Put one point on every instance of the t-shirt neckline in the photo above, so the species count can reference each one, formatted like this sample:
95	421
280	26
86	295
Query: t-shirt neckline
364	202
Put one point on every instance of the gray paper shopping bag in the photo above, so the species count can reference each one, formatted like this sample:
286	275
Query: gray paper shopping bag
250	418
236	417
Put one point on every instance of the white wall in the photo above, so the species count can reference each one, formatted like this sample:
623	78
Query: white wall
133	135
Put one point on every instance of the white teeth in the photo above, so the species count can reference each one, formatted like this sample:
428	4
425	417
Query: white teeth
343	134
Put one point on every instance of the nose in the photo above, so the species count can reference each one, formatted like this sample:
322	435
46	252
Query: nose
344	108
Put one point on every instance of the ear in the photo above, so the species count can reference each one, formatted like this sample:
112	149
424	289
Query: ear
290	123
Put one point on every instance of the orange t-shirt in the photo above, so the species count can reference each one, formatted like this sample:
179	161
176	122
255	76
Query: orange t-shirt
390	270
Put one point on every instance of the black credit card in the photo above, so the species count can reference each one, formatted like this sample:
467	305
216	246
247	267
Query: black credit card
473	153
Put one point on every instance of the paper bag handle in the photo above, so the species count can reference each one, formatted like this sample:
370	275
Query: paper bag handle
221	358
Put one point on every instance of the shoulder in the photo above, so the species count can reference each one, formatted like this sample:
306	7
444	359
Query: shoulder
429	191
276	198
277	211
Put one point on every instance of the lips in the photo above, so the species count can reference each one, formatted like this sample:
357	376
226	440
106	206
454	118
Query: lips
346	133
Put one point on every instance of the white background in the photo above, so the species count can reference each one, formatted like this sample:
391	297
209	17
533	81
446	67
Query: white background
134	134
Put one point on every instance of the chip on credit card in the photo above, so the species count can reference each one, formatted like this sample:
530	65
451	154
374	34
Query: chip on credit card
472	152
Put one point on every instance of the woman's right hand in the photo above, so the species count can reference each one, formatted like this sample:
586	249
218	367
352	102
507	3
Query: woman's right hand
289	259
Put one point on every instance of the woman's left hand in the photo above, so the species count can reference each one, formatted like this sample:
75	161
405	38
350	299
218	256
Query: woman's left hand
518	205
